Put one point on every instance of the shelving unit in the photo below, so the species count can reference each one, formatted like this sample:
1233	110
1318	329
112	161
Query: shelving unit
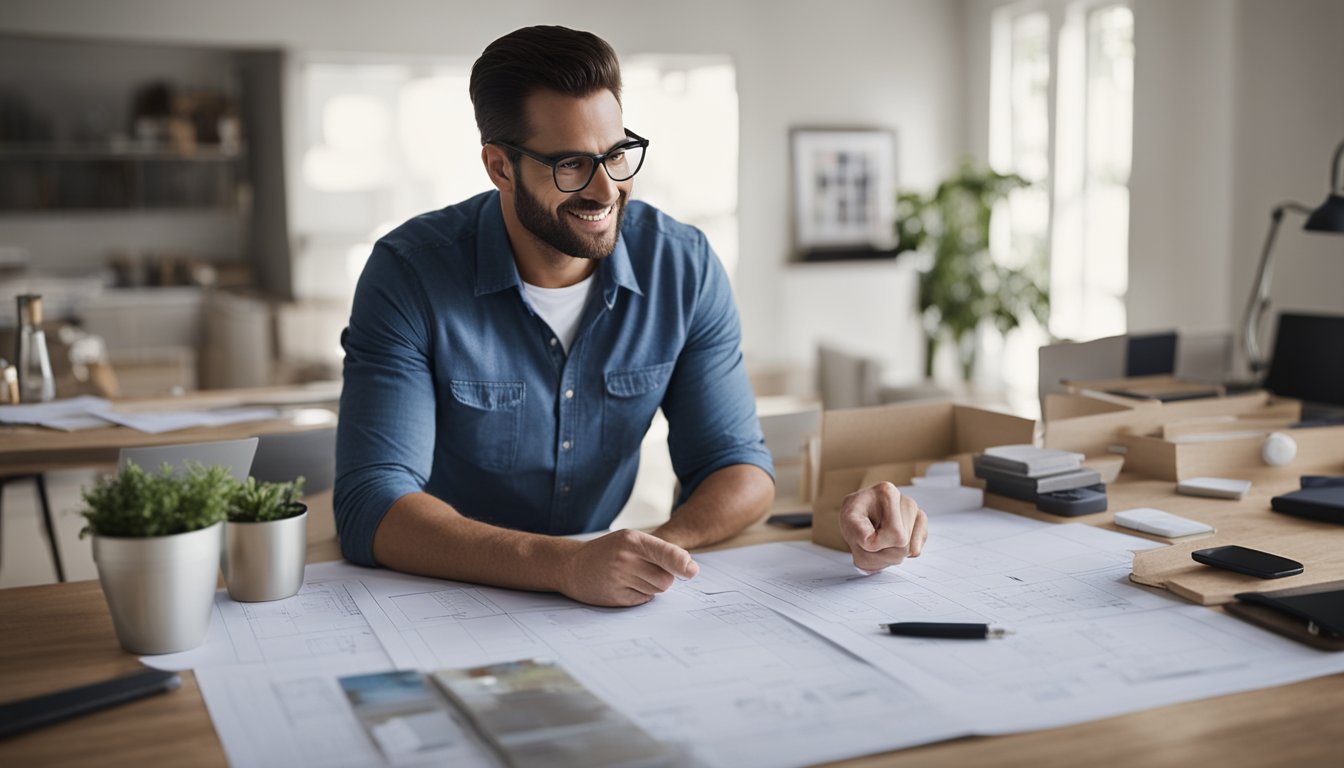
106	176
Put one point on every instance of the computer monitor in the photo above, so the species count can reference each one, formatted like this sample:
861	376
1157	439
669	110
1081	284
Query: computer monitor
1308	360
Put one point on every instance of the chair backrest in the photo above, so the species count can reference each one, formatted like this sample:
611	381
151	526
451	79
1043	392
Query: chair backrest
1205	356
846	379
236	455
281	458
1098	359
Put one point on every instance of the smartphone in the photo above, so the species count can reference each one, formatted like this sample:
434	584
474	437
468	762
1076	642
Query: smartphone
791	519
1251	562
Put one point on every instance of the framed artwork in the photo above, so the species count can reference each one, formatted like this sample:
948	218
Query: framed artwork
844	191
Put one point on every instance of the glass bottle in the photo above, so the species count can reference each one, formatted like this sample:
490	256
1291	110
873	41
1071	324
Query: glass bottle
36	384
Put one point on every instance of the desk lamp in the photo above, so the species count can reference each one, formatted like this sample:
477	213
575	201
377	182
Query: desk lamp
1328	217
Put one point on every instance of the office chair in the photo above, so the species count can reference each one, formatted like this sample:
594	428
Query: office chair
846	379
312	455
44	503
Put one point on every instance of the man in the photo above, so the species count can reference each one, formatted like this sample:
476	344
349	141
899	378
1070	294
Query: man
505	356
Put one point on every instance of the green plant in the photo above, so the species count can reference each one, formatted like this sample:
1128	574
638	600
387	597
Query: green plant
963	285
254	502
135	503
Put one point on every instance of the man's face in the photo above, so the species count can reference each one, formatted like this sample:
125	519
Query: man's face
581	224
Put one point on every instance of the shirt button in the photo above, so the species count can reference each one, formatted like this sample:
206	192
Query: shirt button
554	341
565	445
569	394
564	489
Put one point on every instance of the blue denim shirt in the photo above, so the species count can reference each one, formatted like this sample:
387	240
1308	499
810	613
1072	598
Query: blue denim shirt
453	386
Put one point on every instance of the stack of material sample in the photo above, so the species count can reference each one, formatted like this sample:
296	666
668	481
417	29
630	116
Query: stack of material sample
1055	481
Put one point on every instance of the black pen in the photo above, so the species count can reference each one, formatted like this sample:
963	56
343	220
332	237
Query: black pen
945	631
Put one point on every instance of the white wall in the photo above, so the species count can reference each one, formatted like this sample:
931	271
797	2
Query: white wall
1238	107
1288	119
846	62
1181	183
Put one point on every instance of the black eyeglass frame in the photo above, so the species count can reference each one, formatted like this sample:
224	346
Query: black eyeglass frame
554	160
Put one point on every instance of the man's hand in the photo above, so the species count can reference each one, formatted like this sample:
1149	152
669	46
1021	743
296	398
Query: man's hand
882	527
625	568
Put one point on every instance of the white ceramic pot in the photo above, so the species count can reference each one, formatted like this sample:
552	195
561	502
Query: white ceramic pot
264	561
160	589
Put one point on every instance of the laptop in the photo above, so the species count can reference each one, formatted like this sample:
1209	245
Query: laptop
236	455
1308	364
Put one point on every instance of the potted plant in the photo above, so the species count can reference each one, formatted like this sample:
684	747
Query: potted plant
963	286
156	540
265	541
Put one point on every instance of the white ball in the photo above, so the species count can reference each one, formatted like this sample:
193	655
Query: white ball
1278	449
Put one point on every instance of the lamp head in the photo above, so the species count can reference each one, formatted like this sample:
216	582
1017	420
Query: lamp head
1329	216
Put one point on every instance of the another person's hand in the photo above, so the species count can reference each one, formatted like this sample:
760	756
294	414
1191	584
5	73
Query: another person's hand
625	568
882	527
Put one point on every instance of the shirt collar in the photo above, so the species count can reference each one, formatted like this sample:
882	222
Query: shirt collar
496	270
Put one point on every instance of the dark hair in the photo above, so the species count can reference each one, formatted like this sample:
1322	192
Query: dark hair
559	59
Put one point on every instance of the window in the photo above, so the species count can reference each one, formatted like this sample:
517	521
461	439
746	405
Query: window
1090	254
1020	143
378	142
1022	139
1064	122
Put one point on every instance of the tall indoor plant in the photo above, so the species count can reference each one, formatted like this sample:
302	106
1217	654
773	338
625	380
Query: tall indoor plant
156	541
963	285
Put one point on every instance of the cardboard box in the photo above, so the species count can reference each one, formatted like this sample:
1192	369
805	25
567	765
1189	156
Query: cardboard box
1320	450
861	446
1091	423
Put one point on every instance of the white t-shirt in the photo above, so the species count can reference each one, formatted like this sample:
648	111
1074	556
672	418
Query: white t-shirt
561	308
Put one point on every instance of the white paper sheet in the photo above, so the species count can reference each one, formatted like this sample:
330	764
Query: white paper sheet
771	656
1087	643
67	414
723	677
157	422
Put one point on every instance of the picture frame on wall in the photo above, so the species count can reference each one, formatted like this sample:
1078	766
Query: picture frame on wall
844	193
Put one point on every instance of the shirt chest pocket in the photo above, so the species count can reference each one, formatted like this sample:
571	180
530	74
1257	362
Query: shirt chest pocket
632	397
484	422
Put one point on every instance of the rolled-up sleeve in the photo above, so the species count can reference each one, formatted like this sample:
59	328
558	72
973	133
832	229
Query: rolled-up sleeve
710	408
385	435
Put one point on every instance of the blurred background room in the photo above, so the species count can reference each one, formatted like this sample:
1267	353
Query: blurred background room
193	187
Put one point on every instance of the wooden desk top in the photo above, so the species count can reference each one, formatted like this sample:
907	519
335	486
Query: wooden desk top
27	449
61	635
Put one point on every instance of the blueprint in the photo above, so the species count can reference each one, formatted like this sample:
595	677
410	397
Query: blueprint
713	671
770	656
1086	642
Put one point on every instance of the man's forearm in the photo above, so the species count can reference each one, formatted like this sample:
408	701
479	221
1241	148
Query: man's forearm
422	534
726	502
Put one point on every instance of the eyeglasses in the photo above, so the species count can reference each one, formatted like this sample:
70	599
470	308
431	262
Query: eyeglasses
573	173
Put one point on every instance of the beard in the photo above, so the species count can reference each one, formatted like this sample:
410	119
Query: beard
552	230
